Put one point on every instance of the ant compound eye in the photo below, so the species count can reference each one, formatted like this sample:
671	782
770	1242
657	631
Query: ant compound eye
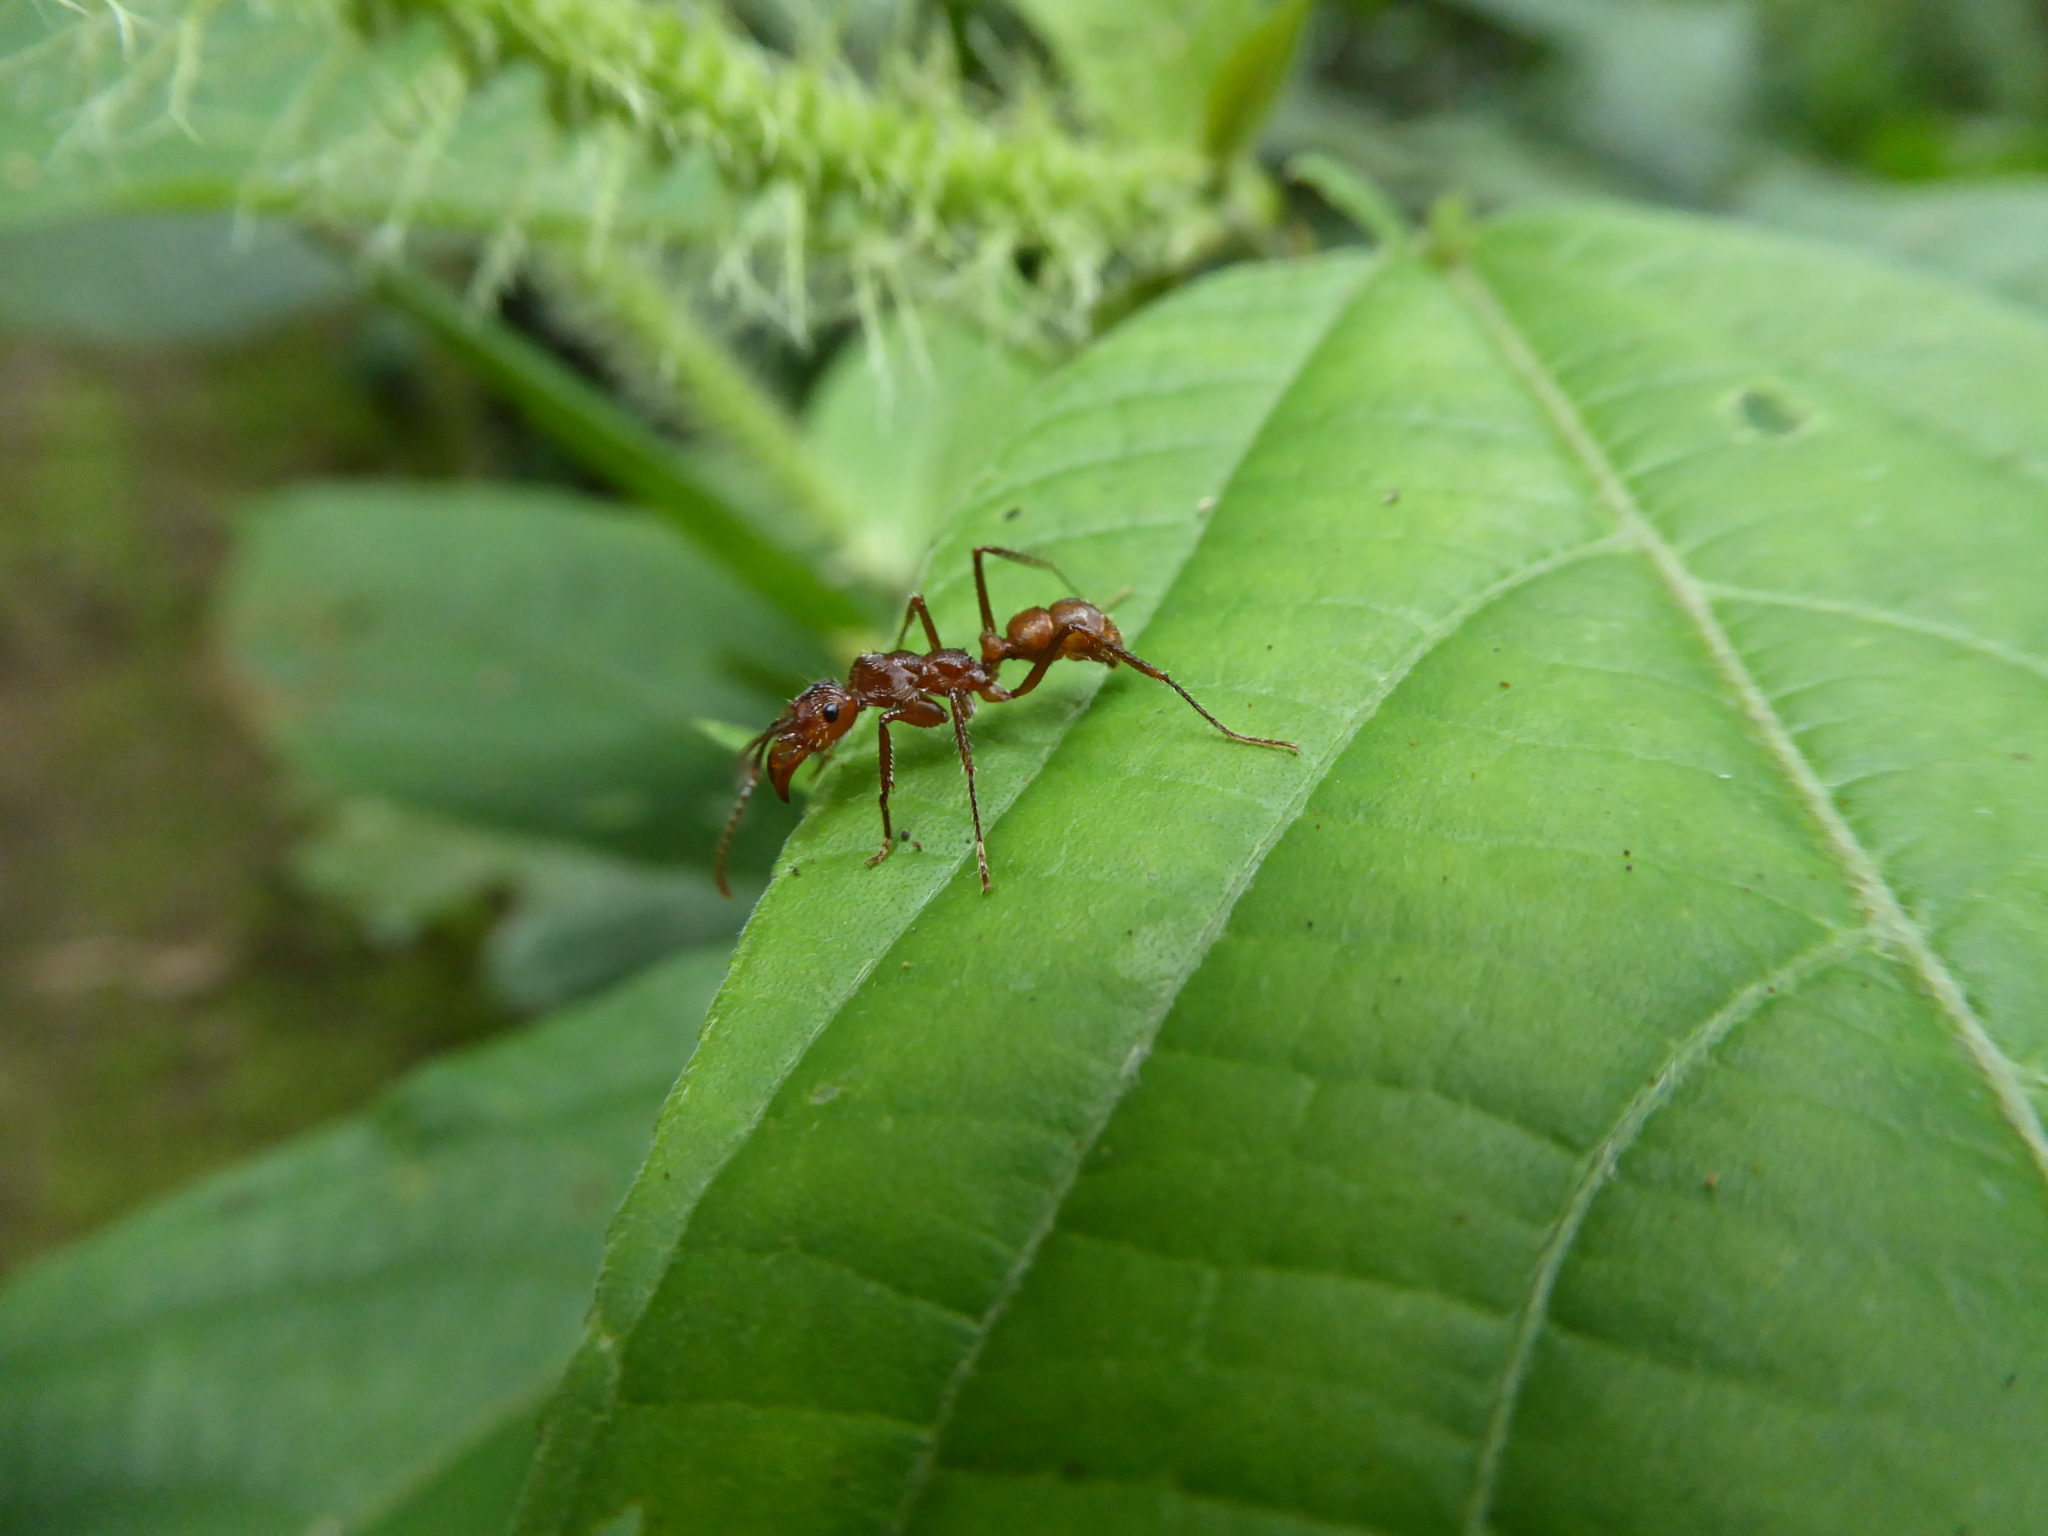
831	714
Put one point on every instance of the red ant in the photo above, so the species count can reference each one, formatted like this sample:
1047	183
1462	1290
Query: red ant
908	687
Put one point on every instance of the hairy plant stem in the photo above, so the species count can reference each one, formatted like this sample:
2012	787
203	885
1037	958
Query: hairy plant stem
650	329
921	177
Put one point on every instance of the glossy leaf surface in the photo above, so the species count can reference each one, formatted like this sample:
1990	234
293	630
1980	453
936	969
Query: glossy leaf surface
1594	1087
350	1334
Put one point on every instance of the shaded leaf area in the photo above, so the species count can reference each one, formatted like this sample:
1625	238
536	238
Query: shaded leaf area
1594	1087
163	106
348	1334
518	658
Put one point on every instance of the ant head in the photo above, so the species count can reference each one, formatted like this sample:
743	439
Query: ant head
1081	630
816	718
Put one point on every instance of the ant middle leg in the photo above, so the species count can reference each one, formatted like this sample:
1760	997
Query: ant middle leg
1139	664
888	764
923	712
915	609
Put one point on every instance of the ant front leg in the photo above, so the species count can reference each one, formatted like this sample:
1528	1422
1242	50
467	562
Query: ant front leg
754	756
1139	664
922	713
996	694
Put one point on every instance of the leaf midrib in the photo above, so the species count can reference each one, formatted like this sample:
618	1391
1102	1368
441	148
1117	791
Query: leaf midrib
1865	878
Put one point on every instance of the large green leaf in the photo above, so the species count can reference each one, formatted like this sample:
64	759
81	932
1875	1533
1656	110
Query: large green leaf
349	1334
519	658
1593	1088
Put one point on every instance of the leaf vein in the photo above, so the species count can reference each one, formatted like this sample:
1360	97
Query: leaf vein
2011	655
1596	1171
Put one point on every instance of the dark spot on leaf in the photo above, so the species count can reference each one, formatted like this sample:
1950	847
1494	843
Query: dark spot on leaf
2023	757
1766	412
1711	1182
2013	1380
1311	922
1507	685
1013	514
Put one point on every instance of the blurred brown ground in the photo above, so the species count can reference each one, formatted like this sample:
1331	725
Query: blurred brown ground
167	1003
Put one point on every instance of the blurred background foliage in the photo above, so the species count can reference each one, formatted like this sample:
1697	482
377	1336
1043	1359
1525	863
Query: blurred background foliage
316	766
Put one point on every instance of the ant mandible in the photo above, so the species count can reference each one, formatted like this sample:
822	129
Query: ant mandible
908	687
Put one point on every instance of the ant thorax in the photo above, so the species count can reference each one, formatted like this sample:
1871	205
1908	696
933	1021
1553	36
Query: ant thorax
881	678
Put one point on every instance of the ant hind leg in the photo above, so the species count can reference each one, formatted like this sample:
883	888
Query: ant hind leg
988	616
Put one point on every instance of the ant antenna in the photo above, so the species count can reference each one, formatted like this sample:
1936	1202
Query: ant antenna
755	756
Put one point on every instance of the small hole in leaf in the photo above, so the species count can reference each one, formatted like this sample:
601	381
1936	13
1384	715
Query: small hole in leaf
1768	413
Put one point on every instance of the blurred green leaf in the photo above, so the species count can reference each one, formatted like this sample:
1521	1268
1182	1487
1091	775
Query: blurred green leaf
1184	72
348	1335
903	421
1248	80
150	280
1595	1087
1992	233
1853	77
517	658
